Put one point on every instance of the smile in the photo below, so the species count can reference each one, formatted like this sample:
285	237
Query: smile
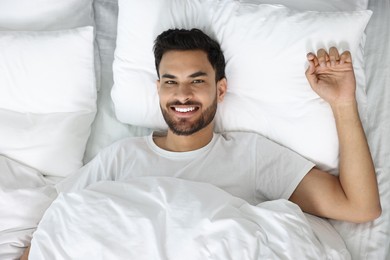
184	109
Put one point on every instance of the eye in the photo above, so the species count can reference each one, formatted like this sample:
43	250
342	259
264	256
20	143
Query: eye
170	82
198	81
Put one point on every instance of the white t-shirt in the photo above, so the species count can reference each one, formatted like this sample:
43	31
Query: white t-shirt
246	165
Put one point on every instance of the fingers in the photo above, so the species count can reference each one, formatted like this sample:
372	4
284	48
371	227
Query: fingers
334	56
323	57
346	57
310	72
313	62
331	59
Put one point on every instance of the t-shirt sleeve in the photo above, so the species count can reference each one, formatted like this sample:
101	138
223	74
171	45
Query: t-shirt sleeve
279	170
101	167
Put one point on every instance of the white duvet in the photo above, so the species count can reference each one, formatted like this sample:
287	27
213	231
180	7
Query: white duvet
168	218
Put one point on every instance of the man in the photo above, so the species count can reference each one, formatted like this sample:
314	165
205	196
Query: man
188	97
191	83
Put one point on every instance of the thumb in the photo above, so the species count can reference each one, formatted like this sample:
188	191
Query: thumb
310	71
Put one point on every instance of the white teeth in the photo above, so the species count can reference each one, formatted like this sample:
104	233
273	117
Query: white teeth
184	110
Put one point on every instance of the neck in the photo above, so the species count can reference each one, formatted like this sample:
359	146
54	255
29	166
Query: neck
181	143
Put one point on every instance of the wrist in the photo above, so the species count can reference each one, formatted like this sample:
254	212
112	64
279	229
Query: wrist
345	110
341	104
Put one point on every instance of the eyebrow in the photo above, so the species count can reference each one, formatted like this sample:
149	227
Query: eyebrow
197	74
168	76
193	75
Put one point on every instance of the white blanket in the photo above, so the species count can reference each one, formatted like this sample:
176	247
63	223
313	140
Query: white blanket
167	218
25	194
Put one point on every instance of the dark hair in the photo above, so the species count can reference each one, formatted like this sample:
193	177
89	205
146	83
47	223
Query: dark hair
194	39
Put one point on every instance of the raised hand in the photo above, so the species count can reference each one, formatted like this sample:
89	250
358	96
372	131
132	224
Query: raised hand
353	195
331	76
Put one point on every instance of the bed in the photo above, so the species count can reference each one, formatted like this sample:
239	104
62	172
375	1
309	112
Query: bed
71	98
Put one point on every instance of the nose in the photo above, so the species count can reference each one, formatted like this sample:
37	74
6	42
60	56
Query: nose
184	93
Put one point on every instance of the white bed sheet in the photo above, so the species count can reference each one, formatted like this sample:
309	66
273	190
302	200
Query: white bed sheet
372	240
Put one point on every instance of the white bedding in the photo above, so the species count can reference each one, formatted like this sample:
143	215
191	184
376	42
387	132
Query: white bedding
169	218
25	195
25	190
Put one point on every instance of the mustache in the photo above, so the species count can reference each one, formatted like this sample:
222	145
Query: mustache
187	103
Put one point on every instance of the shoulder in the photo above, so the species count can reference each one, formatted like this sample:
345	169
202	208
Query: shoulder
244	142
124	144
243	137
128	141
254	141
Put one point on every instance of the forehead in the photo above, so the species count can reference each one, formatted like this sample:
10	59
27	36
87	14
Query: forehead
179	60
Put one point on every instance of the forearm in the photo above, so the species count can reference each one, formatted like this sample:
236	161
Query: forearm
357	172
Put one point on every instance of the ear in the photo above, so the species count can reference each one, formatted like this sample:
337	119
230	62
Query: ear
221	89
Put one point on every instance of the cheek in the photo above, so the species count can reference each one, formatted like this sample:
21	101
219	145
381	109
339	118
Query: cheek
208	98
164	92
162	96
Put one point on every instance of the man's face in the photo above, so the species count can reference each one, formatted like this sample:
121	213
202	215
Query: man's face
188	91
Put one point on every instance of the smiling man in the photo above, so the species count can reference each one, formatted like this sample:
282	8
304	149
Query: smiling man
189	91
191	82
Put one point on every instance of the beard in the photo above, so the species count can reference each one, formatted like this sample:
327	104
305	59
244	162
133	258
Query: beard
185	127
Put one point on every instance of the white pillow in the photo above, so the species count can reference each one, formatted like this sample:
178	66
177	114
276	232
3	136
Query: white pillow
265	48
27	15
47	97
317	5
45	14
